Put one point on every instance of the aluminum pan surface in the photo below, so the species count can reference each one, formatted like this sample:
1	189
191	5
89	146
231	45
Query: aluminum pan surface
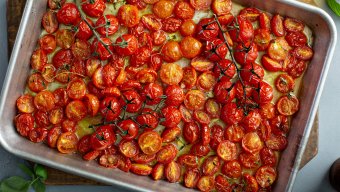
325	38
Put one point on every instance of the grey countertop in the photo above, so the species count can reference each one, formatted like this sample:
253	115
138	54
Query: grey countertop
313	177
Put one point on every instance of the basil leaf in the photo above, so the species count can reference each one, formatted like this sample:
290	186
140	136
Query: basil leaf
26	170
40	171
39	186
15	184
335	6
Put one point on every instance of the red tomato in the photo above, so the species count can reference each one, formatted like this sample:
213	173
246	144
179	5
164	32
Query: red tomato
244	33
172	116
128	129
216	50
232	169
171	24
271	64
267	111
194	100
249	160
234	133
216	136
231	114
171	51
152	93
202	64
224	91
68	14
67	143
68	125
287	105
44	101
141	169
143	158
225	68
262	38
102	138
76	110
277	25
53	135
132	100
156	62
187	28
150	142
170	134
172	172
201	117
213	108
206	183
107	25
200	150
251	121
277	142
268	157
55	4
191	47
126	45
41	118
191	178
296	39
140	4
64	38
265	176
110	160
48	73
62	58
109	75
264	94
167	154
184	10
76	89
37	135
226	19
128	148
47	43
304	53
188	160
284	83
128	15
246	57
171	73
50	22
56	115
252	143
264	20
174	95
296	67
159	37
94	8
25	104
210	165
84	31
92	103
101	48
227	150
221	7
207	29
251	14
221	183
151	22
91	155
278	49
24	124
158	172
293	25
191	132
163	8
61	97
250	183
200	4
186	114
38	59
148	119
110	108
265	130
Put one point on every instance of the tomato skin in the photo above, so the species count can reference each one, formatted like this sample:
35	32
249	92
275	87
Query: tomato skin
232	169
288	105
130	127
25	104
224	91
38	59
53	135
150	142
135	105
243	57
68	14
234	133
163	9
296	67
36	83
175	95
158	172
304	53
190	47
92	102
172	116
126	45
184	10
271	64
148	119
210	165
141	169
278	49
171	24
64	38
104	28
268	157
41	118
170	134
102	138
61	97
277	142
206	183
231	114
84	31
251	184
24	123
213	108
265	93
265	130
221	183
251	121
128	15
262	39
110	160
216	136
172	172
216	50
267	111
91	155
264	20
152	93
199	150
99	48
245	33
191	132
159	37
76	89
62	58
249	160
171	51
224	68
293	25
227	150
277	25
50	22
201	64
95	9
252	143
67	143
187	28
191	178
250	13
56	115
207	30
110	108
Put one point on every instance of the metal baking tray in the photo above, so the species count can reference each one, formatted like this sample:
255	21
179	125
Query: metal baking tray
325	35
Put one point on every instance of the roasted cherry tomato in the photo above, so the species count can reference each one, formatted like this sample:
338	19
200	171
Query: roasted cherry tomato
48	43
231	114
67	142
171	24
110	108
163	8
64	38
55	4
68	14
128	15
151	22
152	93
167	154
200	4
202	64
24	124
143	158
296	39
264	94
207	29
53	135
132	100
94	8
189	77
107	25
44	101
216	136
141	169
128	129
224	68
216	50
213	108
84	31
171	51
150	142
172	172
265	176
234	133
210	165
158	171
246	57
184	10
277	25
148	119
188	160
68	125
191	132
250	183
104	52
38	59
221	7
232	169
224	91
284	83
264	20
56	115
129	148
194	100
206	183
267	111
242	30
187	28
174	95
262	39
250	13
191	47
50	22
171	73
277	142
25	104
202	118
287	105
102	138
252	143
191	178
172	116
304	53
293	25
251	121
186	114
170	134
126	45
227	150
268	157
249	160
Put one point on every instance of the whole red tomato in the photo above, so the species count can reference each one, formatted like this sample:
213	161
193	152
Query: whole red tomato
132	100
104	52
224	91
264	94
152	93
93	8
69	14
84	31
231	114
207	29
102	138
172	116
107	25
148	119
110	108
126	45
243	31
128	129
174	95
246	53
216	50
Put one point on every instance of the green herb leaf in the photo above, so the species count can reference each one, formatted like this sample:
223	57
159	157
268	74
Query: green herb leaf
39	186
334	6
26	170
40	171
15	184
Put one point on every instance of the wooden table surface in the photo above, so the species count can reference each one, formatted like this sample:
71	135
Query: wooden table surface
56	177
